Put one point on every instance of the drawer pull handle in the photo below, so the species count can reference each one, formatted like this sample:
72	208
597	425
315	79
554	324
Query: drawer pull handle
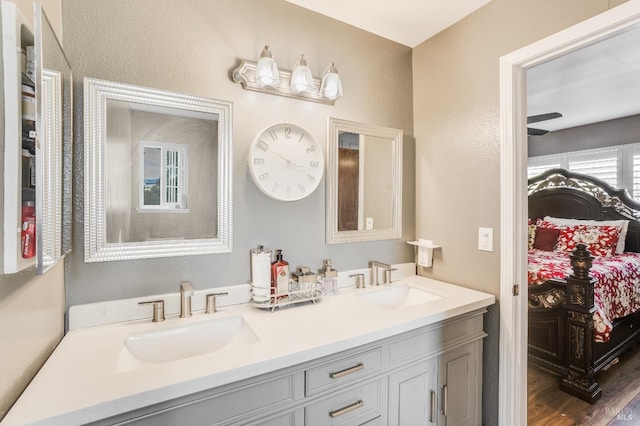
337	374
445	398
344	410
432	408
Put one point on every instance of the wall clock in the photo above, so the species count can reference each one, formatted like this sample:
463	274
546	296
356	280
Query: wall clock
286	162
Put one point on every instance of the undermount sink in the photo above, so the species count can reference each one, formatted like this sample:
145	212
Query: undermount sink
399	296
184	341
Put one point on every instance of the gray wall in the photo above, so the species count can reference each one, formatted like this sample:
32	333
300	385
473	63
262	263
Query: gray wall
599	135
191	46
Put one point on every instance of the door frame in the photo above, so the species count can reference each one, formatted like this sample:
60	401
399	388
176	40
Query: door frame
513	194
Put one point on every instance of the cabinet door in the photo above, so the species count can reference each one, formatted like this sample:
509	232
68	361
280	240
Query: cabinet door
460	386
412	395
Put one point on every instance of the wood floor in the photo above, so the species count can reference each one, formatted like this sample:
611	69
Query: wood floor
618	406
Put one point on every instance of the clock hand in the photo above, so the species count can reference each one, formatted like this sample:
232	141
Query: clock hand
289	162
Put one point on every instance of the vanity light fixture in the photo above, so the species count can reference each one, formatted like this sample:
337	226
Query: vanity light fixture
331	86
301	78
264	76
267	74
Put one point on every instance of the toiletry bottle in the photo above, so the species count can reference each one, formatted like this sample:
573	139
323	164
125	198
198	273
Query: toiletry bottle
279	275
28	229
329	278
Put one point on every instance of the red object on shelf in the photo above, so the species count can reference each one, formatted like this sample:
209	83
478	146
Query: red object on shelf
28	229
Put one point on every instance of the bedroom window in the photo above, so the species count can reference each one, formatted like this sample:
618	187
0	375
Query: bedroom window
163	167
619	166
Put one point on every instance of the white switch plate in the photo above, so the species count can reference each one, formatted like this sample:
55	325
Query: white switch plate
369	223
485	239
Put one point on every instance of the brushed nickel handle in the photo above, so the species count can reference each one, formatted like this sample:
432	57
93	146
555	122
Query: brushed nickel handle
445	397
211	302
432	408
344	410
387	275
359	279
337	374
158	309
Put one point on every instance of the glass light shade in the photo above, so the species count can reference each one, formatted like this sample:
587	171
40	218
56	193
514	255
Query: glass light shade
331	87
267	74
301	78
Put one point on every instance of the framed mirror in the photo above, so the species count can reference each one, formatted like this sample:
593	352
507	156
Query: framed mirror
157	173
364	182
53	150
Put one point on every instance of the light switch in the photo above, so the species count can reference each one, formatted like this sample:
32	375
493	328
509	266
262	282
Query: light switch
369	223
485	239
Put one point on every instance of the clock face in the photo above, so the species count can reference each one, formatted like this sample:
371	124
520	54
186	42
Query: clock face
286	162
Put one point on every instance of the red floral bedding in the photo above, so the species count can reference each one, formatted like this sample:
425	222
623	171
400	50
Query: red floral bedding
617	290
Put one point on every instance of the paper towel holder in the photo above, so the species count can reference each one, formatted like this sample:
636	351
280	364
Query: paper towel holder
425	251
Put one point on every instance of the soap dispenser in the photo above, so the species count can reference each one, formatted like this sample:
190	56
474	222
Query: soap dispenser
279	275
329	278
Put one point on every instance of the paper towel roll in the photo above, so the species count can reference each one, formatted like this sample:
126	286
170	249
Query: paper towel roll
261	274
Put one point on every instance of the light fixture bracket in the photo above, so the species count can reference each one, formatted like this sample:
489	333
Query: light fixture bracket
245	75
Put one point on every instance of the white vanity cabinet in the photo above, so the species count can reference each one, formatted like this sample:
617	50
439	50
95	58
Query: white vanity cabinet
427	376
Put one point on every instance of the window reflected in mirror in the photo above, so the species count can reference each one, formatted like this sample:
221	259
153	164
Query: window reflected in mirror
164	170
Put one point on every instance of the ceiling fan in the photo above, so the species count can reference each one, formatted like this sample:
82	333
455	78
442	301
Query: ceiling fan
540	117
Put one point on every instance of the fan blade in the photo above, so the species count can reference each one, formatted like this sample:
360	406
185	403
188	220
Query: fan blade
536	132
543	117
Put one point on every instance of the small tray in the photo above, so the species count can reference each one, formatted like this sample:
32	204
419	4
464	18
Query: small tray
288	299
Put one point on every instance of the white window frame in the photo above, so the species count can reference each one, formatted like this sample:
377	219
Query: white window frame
180	205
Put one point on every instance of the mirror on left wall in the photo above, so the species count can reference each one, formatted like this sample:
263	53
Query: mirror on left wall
37	145
54	123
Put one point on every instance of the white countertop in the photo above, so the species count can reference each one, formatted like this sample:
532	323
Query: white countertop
91	375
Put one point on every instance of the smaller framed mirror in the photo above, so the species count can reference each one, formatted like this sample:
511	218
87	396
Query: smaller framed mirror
157	173
364	182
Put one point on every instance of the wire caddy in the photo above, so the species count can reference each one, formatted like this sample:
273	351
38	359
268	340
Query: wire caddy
289	298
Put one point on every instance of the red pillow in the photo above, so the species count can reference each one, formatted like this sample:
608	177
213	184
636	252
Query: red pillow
600	240
546	238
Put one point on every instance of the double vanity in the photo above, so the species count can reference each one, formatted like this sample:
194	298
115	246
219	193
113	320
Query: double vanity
405	353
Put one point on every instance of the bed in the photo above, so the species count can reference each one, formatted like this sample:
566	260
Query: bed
584	309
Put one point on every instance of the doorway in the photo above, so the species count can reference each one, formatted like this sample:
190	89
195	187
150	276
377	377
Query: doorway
513	110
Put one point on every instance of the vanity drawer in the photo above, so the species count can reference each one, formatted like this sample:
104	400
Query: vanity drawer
343	370
356	406
222	408
429	342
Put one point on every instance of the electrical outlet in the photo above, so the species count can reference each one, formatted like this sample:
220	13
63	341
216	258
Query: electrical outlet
485	239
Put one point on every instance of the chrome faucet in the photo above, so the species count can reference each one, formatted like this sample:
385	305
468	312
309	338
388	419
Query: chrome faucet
373	266
186	291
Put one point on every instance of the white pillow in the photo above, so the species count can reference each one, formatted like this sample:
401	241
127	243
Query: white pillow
623	224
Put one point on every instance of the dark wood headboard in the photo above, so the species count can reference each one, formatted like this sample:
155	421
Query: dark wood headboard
561	193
